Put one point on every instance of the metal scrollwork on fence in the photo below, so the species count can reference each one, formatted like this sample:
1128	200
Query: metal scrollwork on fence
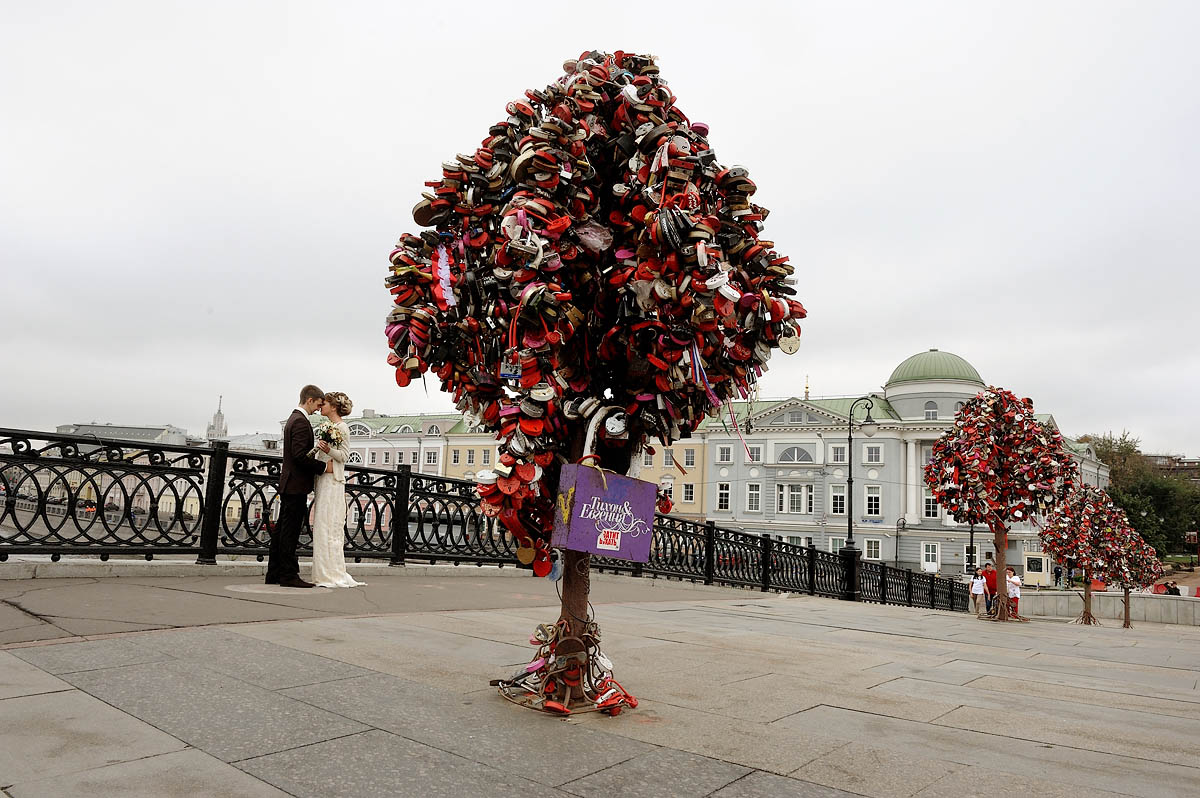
70	494
870	581
62	495
445	523
830	575
678	548
789	569
737	558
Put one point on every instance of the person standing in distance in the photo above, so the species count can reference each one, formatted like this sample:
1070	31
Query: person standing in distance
295	483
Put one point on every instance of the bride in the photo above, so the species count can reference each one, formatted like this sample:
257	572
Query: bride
329	502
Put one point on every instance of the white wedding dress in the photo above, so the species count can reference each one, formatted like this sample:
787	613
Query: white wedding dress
329	519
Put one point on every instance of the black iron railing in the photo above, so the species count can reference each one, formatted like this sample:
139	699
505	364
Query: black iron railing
67	494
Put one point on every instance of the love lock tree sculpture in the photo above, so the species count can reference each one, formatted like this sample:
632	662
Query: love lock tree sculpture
998	465
1085	526
593	279
1138	568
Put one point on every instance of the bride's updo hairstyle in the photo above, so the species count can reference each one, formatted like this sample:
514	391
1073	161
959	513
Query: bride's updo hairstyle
341	402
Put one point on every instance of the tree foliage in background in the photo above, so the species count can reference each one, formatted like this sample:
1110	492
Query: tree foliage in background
1163	506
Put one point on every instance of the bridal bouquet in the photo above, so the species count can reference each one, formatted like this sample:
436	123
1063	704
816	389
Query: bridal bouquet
329	433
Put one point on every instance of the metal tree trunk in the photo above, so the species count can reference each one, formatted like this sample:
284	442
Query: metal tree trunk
1086	616
1127	624
1000	544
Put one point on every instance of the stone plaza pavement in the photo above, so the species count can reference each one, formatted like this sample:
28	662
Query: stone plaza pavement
219	686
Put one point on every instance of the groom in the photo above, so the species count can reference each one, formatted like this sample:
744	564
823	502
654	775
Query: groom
295	483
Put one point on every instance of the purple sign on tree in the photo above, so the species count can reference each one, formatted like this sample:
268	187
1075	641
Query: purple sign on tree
604	513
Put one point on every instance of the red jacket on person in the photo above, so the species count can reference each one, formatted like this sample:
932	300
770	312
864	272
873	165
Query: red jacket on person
990	578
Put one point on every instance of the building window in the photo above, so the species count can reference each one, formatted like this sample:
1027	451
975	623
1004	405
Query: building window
753	497
454	457
470	457
930	556
873	453
647	458
931	506
871	548
970	558
487	456
431	457
837	544
689	458
724	454
722	495
931	411
794	498
414	458
837	454
434	430
796	417
837	499
874	494
373	456
753	454
958	406
794	454
668	457
667	486
359	429
355	458
689	493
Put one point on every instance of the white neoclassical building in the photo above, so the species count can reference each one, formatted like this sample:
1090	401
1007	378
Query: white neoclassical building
787	475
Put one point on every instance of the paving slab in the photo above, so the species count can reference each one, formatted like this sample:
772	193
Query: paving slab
377	763
222	716
189	773
248	659
664	772
874	771
755	745
18	678
54	734
769	785
481	727
1099	696
1082	766
92	655
980	782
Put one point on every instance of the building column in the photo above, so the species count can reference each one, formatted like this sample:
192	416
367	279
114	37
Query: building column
912	514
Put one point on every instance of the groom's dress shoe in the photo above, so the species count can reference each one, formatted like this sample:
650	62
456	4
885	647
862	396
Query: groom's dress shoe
295	581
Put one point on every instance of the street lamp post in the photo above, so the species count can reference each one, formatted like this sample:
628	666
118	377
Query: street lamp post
869	428
973	558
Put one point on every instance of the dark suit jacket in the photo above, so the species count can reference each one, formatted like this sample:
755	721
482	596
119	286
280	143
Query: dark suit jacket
298	471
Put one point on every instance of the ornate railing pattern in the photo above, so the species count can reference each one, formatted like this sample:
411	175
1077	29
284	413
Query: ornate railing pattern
63	494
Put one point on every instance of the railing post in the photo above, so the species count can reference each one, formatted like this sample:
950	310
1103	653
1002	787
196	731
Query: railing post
768	548
932	592
400	515
210	516
883	583
812	570
710	551
951	596
850	570
908	577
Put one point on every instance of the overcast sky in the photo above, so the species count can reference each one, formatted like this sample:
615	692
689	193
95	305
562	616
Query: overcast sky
199	198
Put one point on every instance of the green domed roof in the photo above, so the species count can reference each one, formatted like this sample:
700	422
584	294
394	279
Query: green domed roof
935	365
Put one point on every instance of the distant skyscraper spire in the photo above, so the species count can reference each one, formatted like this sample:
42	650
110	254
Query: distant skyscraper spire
217	428
805	386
